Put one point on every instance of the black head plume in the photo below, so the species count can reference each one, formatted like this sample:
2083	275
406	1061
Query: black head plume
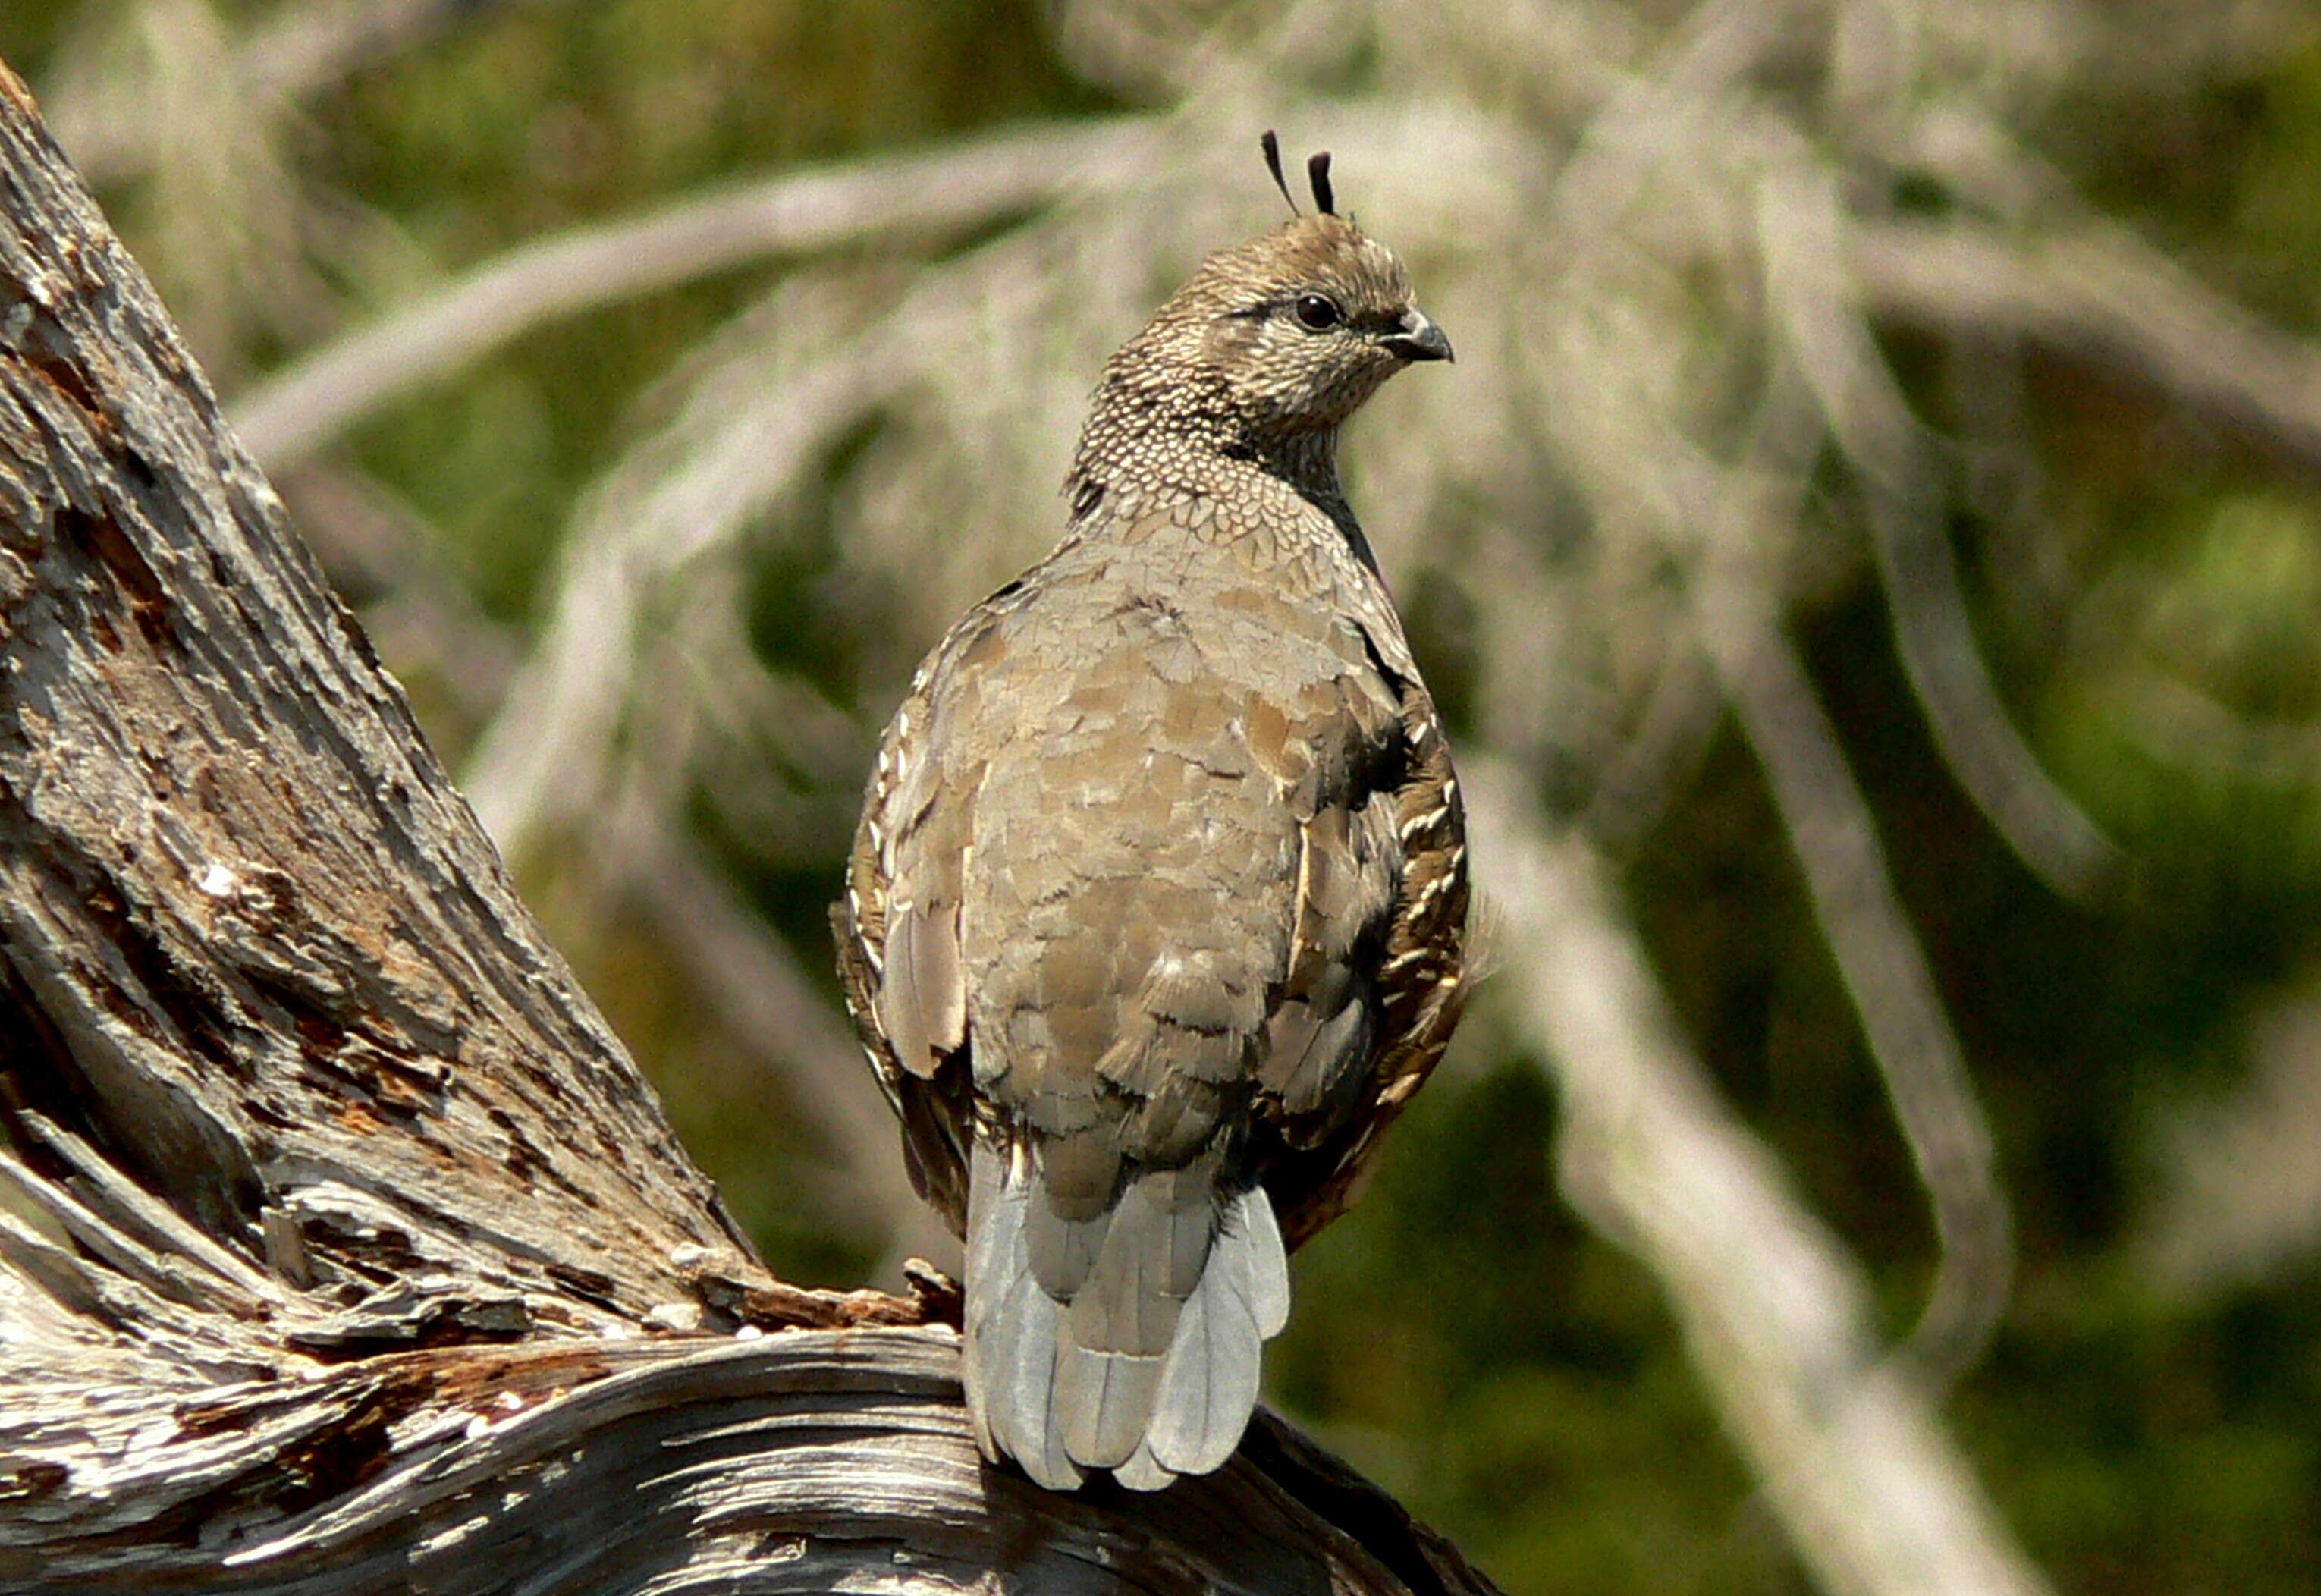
1317	168
1272	148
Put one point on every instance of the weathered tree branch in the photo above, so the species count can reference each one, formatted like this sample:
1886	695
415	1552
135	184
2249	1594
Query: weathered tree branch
341	1246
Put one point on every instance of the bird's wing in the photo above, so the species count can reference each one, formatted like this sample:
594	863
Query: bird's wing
1386	874
897	923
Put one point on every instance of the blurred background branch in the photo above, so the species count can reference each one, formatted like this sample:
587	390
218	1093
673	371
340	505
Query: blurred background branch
1774	1311
312	402
1870	548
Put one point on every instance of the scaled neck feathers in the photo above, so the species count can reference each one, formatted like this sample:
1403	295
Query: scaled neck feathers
1181	434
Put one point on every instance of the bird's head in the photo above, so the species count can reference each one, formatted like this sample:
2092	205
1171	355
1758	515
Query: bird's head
1286	335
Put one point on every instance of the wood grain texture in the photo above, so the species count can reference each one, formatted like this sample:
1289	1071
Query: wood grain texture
342	1247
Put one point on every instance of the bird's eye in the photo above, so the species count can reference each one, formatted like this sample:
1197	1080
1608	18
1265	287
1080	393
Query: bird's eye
1317	313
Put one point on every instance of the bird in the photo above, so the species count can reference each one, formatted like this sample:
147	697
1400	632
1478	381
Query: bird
1156	913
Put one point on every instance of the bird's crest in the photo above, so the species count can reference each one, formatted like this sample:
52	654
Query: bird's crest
1317	172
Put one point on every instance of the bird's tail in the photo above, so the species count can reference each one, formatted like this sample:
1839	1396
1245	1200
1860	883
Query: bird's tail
1133	1343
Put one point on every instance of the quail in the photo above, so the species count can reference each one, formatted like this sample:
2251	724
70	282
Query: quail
1156	913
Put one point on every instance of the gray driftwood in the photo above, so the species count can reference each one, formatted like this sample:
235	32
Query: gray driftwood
342	1248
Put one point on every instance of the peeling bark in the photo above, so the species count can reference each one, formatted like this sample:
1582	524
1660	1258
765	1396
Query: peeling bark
342	1247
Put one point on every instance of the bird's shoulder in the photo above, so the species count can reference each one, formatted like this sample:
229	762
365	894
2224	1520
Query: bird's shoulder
1219	588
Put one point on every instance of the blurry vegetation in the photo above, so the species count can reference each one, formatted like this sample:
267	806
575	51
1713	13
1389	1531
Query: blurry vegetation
2142	575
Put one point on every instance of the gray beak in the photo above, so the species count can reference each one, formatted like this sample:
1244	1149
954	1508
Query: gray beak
1418	340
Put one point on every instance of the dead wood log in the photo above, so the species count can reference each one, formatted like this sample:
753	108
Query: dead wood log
342	1248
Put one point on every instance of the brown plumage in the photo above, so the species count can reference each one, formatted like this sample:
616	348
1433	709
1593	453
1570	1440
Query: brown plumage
1156	913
